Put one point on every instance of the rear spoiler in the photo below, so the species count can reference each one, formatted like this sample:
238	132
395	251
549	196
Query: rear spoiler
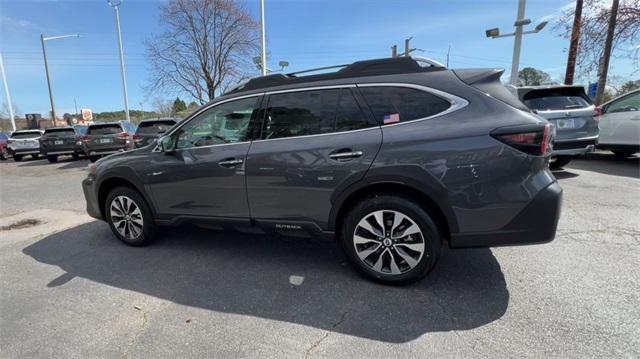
474	76
488	81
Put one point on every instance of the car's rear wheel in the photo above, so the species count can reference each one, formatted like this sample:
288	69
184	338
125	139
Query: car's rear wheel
17	158
52	158
622	153
75	156
391	239
129	216
559	162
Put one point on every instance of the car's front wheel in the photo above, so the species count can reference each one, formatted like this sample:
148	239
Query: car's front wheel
129	216
391	239
52	158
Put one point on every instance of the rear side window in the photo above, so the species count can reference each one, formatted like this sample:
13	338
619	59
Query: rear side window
401	104
25	135
155	127
556	99
60	132
104	129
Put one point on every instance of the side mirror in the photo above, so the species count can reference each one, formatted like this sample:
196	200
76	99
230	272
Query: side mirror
166	144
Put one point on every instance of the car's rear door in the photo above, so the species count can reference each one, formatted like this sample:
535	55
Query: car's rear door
204	176
312	142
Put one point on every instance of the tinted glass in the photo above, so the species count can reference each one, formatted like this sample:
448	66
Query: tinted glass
400	104
625	104
301	113
225	123
81	129
349	115
566	98
25	135
155	127
104	129
60	132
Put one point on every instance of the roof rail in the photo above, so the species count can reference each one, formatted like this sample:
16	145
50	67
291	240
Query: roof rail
385	66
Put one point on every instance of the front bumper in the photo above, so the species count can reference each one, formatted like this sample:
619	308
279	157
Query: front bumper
536	223
574	147
91	196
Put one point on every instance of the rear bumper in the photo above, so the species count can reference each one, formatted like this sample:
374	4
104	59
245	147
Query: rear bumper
104	151
90	195
536	223
574	147
23	151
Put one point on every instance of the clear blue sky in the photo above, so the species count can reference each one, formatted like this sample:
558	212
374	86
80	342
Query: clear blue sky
306	33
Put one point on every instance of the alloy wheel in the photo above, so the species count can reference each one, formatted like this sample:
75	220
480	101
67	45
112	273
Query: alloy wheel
389	242
126	217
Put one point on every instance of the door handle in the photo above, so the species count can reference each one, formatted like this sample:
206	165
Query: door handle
345	155
230	162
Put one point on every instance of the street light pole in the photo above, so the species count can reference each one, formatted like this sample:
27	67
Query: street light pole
115	5
6	92
46	70
517	43
263	55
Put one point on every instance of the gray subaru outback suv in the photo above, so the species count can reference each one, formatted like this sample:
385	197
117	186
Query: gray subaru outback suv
393	157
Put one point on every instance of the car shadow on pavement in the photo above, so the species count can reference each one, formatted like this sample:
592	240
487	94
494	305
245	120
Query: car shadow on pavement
606	163
302	281
564	174
63	163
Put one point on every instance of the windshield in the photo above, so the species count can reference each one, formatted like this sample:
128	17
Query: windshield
104	129
155	127
32	134
60	132
556	99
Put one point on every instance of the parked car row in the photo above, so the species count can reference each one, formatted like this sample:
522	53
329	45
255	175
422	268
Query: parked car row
93	141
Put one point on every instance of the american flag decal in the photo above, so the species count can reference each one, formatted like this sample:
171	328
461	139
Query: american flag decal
394	117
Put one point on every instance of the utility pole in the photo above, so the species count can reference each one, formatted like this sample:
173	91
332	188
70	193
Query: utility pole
573	46
407	48
263	55
46	70
115	5
6	92
604	63
394	51
448	51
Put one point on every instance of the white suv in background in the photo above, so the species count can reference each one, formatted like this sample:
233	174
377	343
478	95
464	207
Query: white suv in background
24	142
620	125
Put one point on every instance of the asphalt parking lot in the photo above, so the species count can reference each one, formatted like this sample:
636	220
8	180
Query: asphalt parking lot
70	289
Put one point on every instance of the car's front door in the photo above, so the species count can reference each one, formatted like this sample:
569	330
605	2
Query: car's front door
620	123
312	142
204	175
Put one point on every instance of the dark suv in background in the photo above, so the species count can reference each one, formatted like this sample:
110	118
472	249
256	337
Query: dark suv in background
149	130
60	141
392	157
108	137
572	113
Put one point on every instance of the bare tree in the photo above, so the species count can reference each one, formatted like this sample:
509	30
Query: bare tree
163	107
207	45
593	31
4	112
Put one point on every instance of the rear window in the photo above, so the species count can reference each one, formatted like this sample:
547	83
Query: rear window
26	135
155	127
104	129
81	129
401	104
556	99
60	132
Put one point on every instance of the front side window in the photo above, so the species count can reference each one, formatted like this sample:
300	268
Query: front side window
626	104
224	123
400	104
312	112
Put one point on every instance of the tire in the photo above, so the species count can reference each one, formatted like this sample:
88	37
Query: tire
392	252
52	158
559	162
622	153
75	156
126	230
17	158
4	155
94	158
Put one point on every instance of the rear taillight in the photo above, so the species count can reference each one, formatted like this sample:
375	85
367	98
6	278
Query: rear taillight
10	141
136	137
531	139
86	138
123	134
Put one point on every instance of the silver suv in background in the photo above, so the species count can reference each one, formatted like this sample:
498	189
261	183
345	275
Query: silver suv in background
572	113
24	142
106	138
620	125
